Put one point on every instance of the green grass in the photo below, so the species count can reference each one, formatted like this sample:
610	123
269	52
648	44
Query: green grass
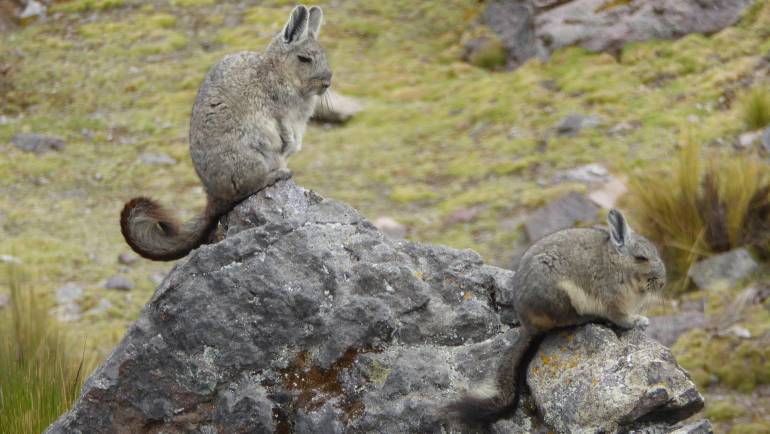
40	370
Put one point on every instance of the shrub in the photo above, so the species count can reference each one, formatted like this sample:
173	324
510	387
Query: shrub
756	108
40	375
703	206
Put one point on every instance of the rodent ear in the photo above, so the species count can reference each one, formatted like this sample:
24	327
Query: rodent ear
315	21
295	29
619	229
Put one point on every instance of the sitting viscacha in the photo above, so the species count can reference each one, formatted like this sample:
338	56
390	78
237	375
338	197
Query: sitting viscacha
568	278
249	116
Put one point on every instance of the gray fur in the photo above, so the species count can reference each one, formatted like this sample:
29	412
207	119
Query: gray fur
569	278
249	117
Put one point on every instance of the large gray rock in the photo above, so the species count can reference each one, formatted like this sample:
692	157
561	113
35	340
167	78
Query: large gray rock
666	329
565	212
724	270
537	27
307	319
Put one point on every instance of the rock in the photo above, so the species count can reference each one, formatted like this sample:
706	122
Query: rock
37	143
531	28
119	282
765	140
5	300
67	297
33	9
607	195
306	319
589	174
128	258
485	51
598	27
699	427
513	22
572	124
155	158
335	107
666	329
8	259
637	380
565	212
463	215
102	307
390	227
747	140
737	331
724	270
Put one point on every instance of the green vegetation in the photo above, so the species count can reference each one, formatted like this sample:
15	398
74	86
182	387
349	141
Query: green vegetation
756	108
721	411
40	371
691	211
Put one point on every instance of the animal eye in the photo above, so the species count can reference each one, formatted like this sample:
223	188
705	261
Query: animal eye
641	258
304	59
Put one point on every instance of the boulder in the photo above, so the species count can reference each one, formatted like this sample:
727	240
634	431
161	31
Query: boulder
513	22
666	329
724	270
565	212
305	318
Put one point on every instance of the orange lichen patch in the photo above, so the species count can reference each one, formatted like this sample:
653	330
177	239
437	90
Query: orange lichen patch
467	295
315	386
546	360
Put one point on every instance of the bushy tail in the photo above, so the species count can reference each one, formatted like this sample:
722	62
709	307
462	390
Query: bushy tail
155	234
478	410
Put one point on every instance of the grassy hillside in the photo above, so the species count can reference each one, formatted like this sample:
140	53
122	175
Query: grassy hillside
117	78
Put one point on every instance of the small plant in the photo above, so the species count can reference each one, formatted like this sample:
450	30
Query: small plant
40	375
703	206
756	108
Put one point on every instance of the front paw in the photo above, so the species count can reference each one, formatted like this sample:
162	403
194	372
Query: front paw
640	321
284	174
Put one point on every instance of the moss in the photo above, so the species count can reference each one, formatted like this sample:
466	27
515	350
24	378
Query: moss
741	365
751	428
80	6
412	193
191	3
721	411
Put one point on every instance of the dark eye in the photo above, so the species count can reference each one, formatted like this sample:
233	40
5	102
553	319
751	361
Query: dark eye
641	258
304	59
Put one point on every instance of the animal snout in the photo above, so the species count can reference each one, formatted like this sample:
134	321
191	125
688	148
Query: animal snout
326	79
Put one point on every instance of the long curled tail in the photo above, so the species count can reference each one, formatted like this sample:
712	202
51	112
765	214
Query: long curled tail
153	232
478	409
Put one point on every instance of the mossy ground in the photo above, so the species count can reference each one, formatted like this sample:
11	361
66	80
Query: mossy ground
116	78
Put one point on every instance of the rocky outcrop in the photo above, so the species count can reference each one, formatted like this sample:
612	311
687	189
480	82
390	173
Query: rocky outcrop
307	319
538	27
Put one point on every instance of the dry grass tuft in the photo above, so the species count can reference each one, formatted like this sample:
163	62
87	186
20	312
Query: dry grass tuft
703	206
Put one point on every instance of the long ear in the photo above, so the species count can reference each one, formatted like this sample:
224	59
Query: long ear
619	229
296	28
315	21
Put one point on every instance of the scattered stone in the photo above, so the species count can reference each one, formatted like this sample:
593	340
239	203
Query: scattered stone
37	143
33	9
765	140
593	173
723	271
513	22
485	51
566	212
102	307
128	258
621	128
463	215
607	195
119	282
747	140
390	227
305	318
5	300
67	297
666	329
572	124
699	427
155	158
737	331
335	107
8	259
